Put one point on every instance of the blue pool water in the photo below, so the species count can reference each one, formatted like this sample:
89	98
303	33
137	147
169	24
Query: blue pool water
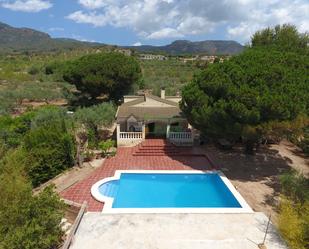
154	190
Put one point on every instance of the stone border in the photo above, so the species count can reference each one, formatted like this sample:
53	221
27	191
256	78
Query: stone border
69	240
108	201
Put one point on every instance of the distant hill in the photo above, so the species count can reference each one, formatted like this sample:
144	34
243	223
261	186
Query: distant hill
25	39
210	47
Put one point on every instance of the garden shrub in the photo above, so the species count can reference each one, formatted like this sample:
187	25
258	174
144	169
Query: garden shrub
26	221
13	129
95	118
293	220
293	224
49	152
106	145
52	116
295	186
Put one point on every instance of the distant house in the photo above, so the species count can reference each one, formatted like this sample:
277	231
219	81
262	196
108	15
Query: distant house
152	57
126	52
211	58
208	58
189	59
149	116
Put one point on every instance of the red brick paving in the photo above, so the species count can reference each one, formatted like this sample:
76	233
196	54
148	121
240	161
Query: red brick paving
133	159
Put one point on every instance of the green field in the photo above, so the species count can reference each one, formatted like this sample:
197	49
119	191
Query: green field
23	77
171	74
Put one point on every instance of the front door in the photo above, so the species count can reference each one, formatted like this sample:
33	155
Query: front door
156	130
150	130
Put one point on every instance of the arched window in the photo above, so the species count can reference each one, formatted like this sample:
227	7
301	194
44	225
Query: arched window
131	128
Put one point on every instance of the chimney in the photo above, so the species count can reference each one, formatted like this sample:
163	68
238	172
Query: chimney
162	93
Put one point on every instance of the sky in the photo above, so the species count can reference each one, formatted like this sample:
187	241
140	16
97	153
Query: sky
155	22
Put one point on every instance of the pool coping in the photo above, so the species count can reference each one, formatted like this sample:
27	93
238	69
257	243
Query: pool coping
108	201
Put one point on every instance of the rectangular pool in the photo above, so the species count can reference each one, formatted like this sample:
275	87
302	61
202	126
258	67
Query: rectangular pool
166	191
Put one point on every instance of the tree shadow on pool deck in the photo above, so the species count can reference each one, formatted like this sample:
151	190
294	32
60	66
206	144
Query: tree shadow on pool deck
265	166
237	165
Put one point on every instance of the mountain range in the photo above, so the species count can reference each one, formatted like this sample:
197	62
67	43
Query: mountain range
210	47
24	39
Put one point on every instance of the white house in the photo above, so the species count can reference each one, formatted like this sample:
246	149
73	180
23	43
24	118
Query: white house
148	116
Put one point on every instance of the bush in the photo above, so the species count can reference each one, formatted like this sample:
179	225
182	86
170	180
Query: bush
106	145
12	129
48	153
88	155
295	186
26	221
95	118
291	224
49	146
294	210
52	116
33	70
304	145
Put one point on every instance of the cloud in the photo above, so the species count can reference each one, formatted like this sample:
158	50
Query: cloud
56	29
90	18
165	32
270	13
94	4
27	5
137	44
158	19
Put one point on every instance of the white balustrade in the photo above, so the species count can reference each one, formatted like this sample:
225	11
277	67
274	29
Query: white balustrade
130	135
129	138
181	137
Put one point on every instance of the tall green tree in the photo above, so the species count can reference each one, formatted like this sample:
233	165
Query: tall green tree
283	37
239	98
110	74
26	221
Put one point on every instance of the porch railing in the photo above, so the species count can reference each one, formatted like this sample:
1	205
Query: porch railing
125	138
180	138
131	135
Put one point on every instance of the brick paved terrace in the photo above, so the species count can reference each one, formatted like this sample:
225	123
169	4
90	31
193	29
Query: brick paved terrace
152	154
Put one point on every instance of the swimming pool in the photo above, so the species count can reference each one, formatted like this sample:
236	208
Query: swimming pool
168	191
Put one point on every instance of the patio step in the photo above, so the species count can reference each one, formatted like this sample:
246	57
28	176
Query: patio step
155	143
164	151
162	147
169	154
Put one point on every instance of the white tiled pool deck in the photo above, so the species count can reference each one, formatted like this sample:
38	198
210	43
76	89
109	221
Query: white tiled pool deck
175	231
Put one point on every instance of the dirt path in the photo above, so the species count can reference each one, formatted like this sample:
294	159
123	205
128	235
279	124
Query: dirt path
256	177
295	158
